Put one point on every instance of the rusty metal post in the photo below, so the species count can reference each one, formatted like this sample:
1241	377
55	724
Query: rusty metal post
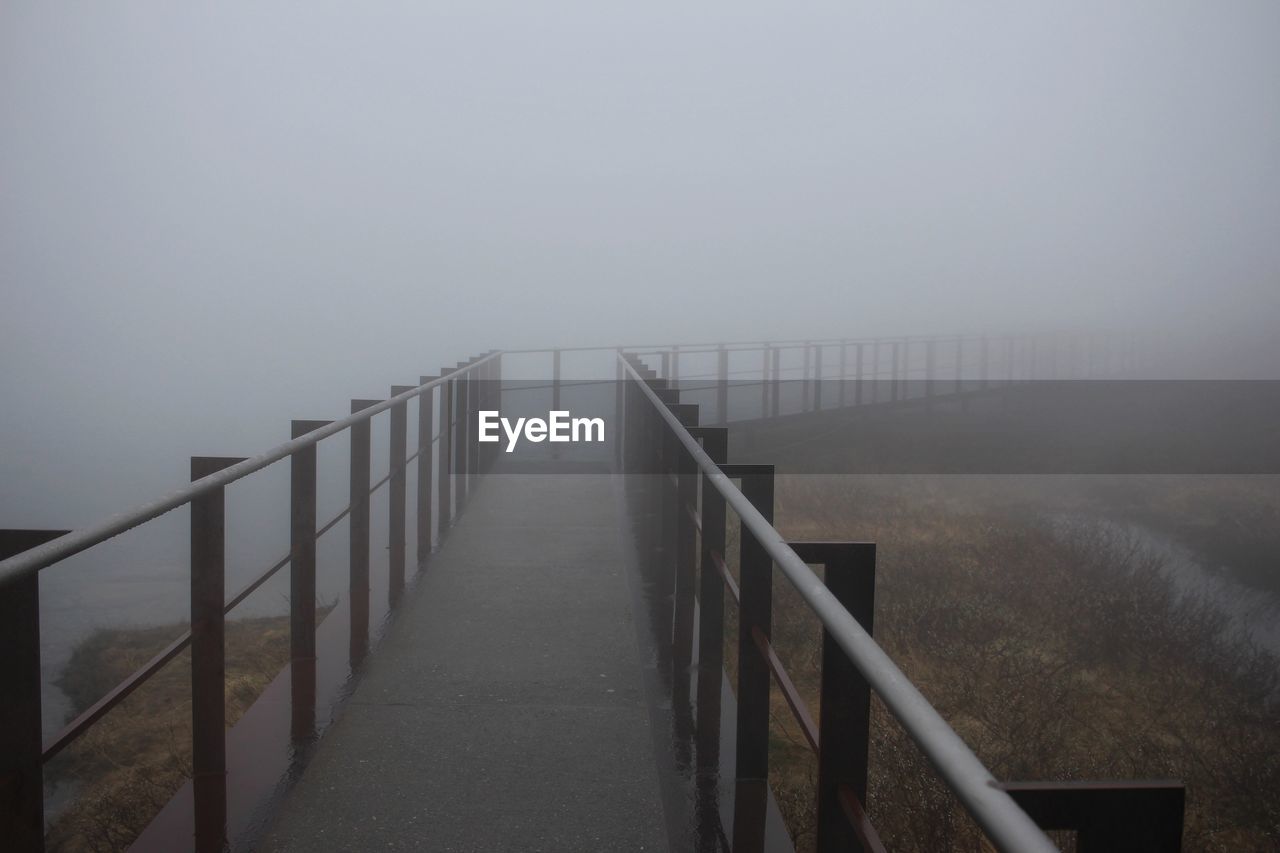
555	393
462	410
845	704
444	506
497	402
715	441
666	521
1108	817
894	367
685	563
764	380
722	385
480	454
710	668
844	370
479	388
777	381
621	430
875	370
208	659
358	559
857	373
804	378
623	423
684	556
302	583
624	432
397	492
904	370
930	367
466	424
21	771
425	449
643	462
755	613
555	380
817	378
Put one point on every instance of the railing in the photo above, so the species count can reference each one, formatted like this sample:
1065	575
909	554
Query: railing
462	390
855	664
860	371
661	437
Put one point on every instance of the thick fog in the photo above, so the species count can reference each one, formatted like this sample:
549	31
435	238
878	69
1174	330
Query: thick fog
214	219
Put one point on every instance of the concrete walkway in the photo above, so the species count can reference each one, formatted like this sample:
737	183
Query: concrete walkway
504	710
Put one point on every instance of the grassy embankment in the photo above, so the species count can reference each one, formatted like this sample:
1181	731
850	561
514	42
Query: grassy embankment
1056	656
130	763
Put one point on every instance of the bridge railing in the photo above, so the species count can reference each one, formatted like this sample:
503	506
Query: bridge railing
839	373
456	395
443	439
680	485
843	373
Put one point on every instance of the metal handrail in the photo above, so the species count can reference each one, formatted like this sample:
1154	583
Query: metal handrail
1004	822
124	688
76	541
789	343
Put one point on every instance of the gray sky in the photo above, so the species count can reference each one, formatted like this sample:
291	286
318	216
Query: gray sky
216	218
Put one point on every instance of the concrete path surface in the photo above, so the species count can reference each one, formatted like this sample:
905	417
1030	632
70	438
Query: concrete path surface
504	709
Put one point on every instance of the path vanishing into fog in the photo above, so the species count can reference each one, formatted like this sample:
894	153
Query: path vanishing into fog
505	708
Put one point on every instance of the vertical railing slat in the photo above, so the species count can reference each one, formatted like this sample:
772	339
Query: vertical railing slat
710	648
302	584
777	382
722	385
397	498
817	378
425	455
359	538
208	659
857	376
461	420
845	696
755	612
844	371
765	384
21	773
684	558
444	478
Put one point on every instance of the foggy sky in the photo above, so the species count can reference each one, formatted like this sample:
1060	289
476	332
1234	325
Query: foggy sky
215	219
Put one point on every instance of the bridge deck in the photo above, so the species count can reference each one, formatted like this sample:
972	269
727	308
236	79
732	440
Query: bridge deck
505	708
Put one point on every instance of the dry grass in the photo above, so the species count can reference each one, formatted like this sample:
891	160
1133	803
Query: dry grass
1055	657
133	760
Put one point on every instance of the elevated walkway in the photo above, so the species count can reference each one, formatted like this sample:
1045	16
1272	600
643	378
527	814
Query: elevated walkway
554	679
505	708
